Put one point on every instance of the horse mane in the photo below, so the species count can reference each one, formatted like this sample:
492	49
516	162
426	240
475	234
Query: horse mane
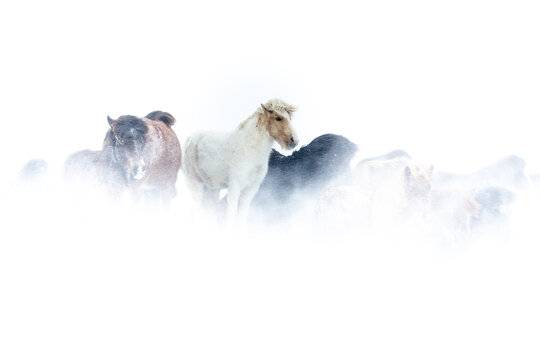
278	105
129	123
162	116
126	124
388	156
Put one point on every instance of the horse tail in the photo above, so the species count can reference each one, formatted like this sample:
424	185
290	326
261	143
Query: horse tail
162	116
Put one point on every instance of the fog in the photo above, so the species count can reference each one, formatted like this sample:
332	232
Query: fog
454	85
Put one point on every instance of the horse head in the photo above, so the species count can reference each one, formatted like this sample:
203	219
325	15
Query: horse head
126	138
418	179
275	115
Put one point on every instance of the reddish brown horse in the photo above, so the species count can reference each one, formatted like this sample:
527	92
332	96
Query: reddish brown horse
142	155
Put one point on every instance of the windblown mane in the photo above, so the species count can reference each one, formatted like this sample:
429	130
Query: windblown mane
279	106
162	116
388	156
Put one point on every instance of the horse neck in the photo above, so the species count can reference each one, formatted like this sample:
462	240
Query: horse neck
252	133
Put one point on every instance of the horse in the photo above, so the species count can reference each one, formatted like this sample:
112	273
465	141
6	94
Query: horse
508	172
494	189
453	214
306	172
142	155
237	160
404	197
396	191
94	169
32	181
370	173
494	205
34	171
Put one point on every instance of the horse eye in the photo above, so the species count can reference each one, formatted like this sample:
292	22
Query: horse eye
278	118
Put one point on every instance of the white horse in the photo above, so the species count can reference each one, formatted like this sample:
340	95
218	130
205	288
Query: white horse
237	160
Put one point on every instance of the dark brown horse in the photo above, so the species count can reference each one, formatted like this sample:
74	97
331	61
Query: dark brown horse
142	155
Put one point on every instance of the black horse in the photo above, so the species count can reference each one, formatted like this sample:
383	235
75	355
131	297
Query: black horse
306	171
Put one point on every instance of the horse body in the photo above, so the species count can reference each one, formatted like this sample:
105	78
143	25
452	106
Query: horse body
306	172
162	157
453	213
87	167
508	172
372	172
34	171
237	160
32	180
383	194
493	189
219	159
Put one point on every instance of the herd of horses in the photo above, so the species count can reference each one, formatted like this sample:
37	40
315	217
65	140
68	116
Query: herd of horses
143	157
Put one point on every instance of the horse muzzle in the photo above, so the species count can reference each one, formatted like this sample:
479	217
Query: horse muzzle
291	144
139	174
138	171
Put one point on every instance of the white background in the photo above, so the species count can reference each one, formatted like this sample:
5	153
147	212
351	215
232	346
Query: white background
456	84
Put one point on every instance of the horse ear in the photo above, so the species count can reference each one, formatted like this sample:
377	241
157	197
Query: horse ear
109	120
267	109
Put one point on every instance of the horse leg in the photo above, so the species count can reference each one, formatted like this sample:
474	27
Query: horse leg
166	195
245	201
233	196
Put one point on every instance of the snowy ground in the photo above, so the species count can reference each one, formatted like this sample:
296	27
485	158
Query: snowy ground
82	280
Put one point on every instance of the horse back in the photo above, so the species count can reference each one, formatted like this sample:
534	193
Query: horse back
163	152
162	116
82	166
